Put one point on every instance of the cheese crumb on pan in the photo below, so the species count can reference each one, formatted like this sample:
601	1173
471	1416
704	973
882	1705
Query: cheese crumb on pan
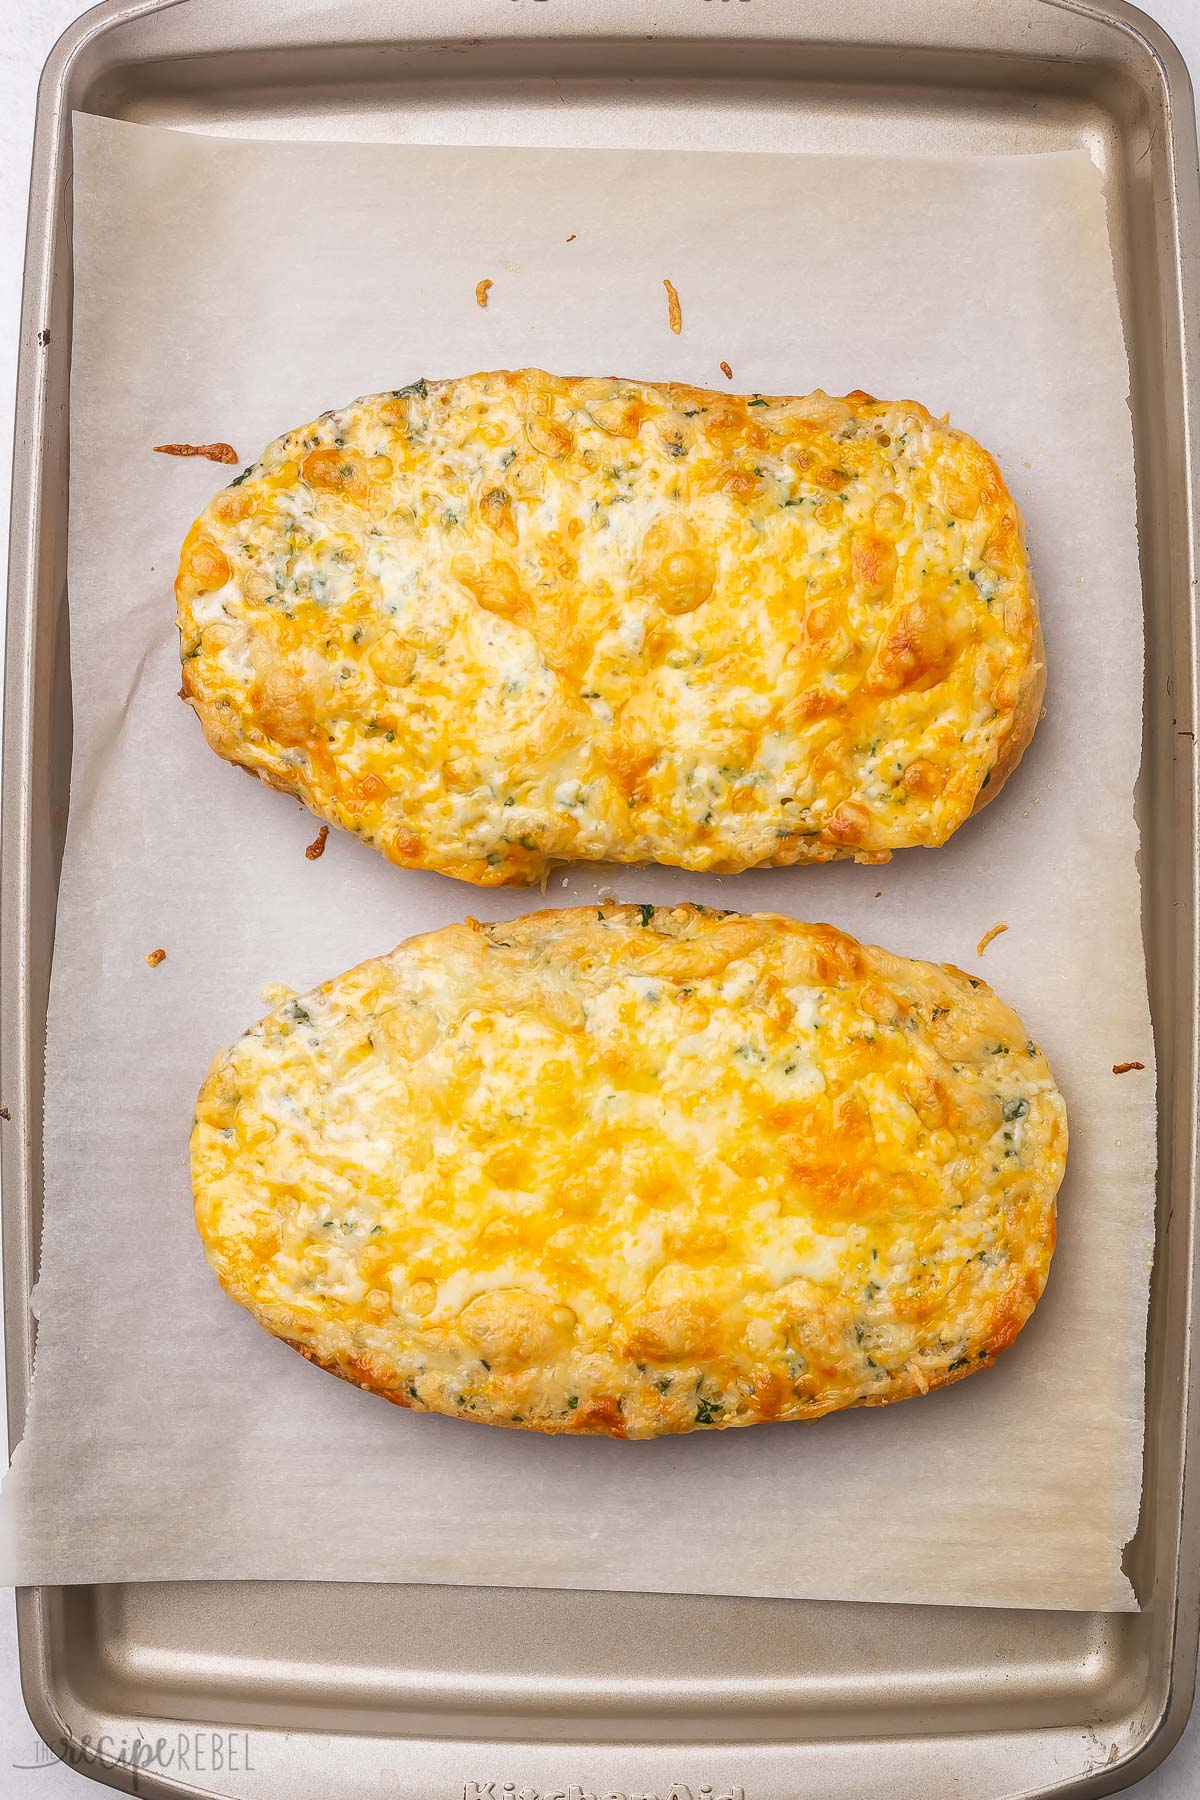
989	937
218	453
482	289
515	619
630	1170
674	310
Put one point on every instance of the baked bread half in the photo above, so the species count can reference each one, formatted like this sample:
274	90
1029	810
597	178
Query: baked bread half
496	623
634	1171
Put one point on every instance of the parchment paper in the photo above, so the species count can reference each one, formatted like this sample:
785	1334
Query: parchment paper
229	290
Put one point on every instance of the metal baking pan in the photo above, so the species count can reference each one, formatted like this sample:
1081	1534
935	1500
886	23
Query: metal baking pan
415	1693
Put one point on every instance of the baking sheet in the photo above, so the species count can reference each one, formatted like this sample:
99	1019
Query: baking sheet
228	290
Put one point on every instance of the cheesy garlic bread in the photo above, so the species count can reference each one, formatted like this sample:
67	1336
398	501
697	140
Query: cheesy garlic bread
494	623
631	1170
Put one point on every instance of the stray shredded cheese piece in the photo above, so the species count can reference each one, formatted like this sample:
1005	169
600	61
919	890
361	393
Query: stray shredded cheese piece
154	957
726	371
219	453
572	237
987	937
674	312
481	292
317	847
1124	1068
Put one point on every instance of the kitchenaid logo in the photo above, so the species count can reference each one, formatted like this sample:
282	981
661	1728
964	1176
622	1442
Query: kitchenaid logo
679	1790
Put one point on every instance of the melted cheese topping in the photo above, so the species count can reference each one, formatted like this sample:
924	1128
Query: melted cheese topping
494	623
633	1170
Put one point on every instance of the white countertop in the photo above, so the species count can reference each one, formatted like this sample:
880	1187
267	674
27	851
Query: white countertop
30	29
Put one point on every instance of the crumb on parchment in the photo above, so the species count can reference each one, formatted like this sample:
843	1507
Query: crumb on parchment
218	453
154	957
726	371
1124	1068
572	237
481	291
674	310
987	937
317	847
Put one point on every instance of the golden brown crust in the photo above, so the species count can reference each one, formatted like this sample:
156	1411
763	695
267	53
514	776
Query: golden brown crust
1026	714
629	1171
